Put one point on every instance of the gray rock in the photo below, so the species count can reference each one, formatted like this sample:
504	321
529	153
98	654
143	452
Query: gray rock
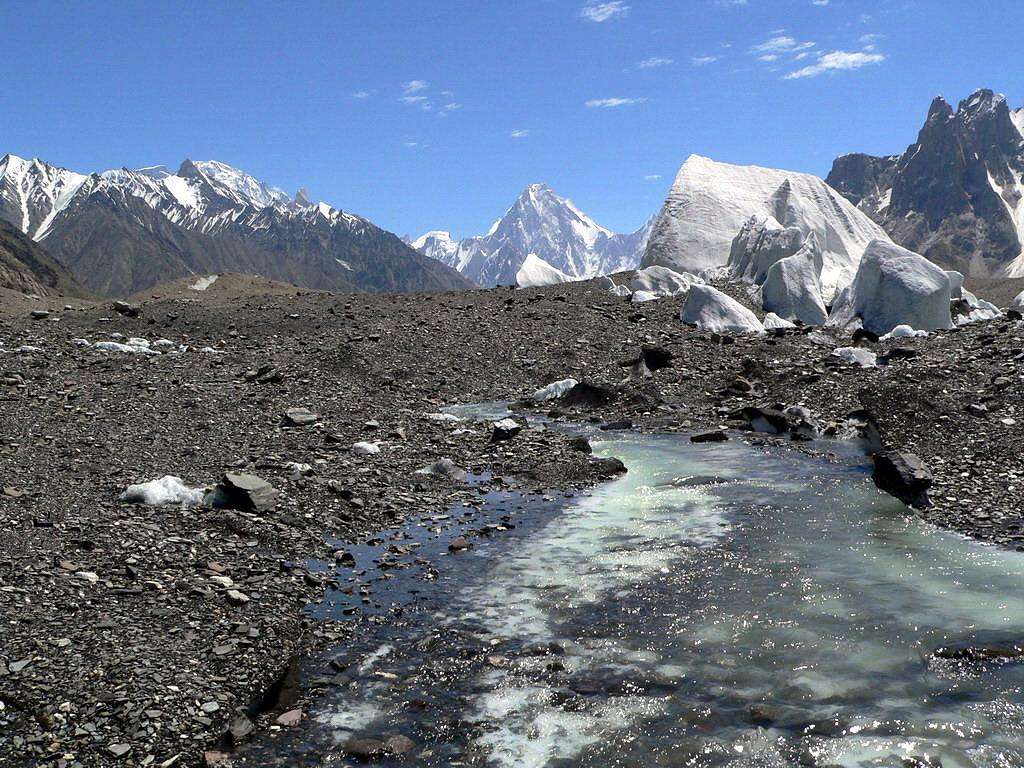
244	492
904	476
505	429
299	417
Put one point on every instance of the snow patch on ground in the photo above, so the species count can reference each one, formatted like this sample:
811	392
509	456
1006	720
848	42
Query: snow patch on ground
865	358
162	492
204	282
554	390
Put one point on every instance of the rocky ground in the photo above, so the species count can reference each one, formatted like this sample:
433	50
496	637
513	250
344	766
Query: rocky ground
135	635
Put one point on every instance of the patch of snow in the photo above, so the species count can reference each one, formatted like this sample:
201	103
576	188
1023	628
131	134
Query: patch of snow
365	448
772	321
865	358
443	417
641	297
710	309
554	390
903	332
131	347
162	492
203	283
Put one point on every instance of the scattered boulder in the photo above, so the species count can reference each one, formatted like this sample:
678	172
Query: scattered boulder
39	314
610	467
248	493
768	420
714	436
299	417
980	652
587	395
617	425
610	285
581	444
364	448
364	749
904	476
505	430
126	309
710	309
894	286
445	468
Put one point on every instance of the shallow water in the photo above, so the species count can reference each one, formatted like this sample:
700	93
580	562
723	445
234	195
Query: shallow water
718	605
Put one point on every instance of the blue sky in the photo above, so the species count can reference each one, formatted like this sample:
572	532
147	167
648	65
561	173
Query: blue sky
424	115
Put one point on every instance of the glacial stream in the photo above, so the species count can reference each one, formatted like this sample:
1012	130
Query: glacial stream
719	605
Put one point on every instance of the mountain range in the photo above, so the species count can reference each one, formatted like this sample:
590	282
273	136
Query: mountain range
123	231
956	195
545	225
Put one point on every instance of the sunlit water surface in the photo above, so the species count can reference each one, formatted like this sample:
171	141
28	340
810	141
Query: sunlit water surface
717	605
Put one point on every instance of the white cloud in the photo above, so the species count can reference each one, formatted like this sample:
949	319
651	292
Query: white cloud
412	144
615	102
730	3
870	39
652	177
361	95
418	101
819	2
781	44
598	12
414	86
451	106
703	61
837	61
768	57
655	61
520	133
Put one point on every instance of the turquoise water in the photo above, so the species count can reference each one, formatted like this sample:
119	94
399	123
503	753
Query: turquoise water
717	605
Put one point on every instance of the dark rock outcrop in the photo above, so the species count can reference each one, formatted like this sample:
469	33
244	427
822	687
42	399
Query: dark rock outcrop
954	195
904	476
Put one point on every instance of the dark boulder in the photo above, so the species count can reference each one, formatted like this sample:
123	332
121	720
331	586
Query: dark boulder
714	436
581	444
248	493
610	467
586	395
505	429
904	476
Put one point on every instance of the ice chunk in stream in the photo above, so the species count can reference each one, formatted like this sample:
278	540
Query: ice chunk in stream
162	492
554	390
712	310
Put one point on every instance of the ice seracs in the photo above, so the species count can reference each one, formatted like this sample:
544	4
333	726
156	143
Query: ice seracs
792	286
535	273
711	310
710	202
660	282
894	286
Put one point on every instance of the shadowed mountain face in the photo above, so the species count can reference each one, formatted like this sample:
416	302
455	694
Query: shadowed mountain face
123	231
956	195
27	268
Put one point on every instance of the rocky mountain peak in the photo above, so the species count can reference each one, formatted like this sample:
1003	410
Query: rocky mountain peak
302	197
940	110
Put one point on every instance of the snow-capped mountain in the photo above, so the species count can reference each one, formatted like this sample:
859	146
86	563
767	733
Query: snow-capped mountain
124	230
710	202
956	195
541	223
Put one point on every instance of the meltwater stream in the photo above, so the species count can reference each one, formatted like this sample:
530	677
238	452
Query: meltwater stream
717	605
